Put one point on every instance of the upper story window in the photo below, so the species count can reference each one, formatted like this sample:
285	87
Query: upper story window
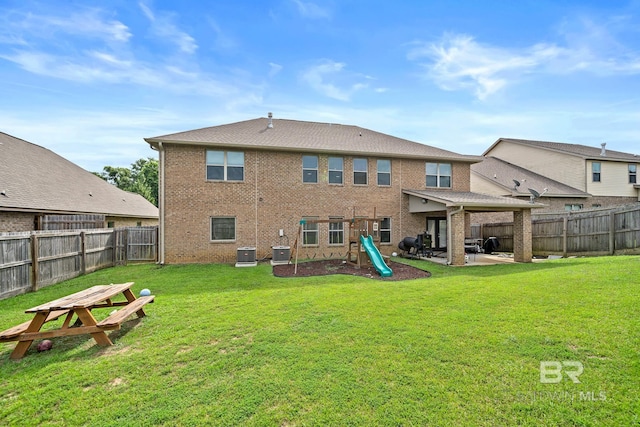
310	169
360	170
336	169
633	174
595	171
438	175
225	165
384	172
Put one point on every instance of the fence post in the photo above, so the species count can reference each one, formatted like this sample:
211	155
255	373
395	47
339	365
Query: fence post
612	233
114	242
83	251
565	222
34	262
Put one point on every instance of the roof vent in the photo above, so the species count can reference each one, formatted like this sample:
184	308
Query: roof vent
270	124
603	150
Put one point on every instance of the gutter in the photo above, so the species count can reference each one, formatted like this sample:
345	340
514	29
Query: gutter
160	148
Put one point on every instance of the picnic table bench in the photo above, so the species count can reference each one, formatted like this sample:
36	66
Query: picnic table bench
79	304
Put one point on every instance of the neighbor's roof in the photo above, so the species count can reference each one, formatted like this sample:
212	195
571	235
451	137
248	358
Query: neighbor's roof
583	151
301	136
35	179
503	174
472	201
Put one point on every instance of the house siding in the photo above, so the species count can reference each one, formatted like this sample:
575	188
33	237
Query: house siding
565	168
273	197
614	179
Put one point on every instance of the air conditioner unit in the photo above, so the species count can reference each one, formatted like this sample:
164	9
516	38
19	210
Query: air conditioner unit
246	257
281	255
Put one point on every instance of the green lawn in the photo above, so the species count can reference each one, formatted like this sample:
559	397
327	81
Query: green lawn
236	346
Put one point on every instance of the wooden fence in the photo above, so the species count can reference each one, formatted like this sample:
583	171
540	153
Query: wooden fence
598	232
32	260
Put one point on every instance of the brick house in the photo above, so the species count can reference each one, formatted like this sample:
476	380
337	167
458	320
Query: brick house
249	184
37	185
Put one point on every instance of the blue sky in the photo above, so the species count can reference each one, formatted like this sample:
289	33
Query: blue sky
90	79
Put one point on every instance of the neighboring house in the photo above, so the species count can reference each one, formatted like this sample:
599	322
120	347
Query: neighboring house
36	185
500	178
576	176
249	184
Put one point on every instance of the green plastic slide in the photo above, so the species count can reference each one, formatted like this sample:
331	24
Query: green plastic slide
375	256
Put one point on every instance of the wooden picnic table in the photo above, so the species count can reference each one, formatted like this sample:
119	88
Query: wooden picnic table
81	304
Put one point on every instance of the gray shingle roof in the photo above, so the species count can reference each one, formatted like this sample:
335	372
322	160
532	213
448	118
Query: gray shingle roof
503	173
472	200
301	136
34	178
583	151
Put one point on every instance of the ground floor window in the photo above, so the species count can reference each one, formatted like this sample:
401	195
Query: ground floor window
223	228
336	232
309	233
385	230
573	207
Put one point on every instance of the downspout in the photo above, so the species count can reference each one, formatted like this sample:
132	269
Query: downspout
450	233
161	204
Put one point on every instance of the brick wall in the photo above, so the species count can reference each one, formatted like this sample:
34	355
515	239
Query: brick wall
130	222
273	197
16	221
20	221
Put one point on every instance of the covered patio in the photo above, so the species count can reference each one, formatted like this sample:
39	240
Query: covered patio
456	207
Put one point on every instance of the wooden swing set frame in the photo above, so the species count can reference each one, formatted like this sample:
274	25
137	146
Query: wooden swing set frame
358	226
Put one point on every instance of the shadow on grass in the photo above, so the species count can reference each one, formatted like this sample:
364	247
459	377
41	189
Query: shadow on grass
72	347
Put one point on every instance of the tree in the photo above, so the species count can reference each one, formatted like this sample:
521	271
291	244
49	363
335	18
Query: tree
141	178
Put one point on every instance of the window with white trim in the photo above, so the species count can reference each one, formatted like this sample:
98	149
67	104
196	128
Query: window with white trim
633	177
336	170
595	172
385	230
336	232
225	165
310	233
438	175
360	170
223	228
573	207
384	172
310	169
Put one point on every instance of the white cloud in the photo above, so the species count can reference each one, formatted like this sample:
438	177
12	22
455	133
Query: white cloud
274	69
311	10
163	27
25	27
320	76
459	62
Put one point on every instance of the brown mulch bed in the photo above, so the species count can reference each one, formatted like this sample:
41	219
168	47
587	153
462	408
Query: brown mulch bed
338	266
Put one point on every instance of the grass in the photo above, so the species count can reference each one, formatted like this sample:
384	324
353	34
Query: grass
229	346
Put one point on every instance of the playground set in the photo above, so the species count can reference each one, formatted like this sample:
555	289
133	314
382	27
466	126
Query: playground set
363	236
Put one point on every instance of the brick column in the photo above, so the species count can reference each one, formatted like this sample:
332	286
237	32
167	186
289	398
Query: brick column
522	248
455	247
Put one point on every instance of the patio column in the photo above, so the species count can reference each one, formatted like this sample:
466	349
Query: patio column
455	245
522	246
